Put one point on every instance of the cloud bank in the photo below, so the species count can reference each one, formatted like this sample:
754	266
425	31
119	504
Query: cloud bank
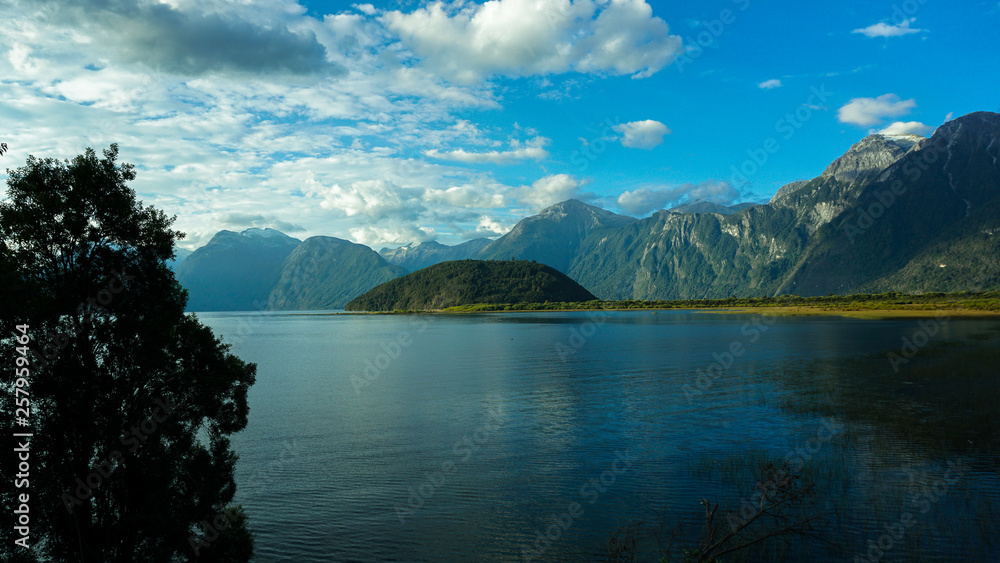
532	37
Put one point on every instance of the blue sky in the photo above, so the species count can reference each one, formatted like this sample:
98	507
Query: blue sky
400	121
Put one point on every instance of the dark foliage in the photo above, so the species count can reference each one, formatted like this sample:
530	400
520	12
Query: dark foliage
112	353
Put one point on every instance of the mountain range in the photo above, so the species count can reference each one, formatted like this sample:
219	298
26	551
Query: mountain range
894	213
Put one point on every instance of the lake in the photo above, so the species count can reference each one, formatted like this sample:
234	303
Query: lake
534	436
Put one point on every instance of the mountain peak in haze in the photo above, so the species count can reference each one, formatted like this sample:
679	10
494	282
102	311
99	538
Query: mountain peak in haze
265	234
234	271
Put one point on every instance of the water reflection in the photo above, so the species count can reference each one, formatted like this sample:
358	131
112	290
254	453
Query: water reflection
359	452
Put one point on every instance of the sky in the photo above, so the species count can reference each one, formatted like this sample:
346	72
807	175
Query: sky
407	120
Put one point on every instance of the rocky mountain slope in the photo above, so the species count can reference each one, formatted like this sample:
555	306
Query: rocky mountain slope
936	200
874	153
554	236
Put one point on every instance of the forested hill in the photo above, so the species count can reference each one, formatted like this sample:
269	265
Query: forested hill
467	282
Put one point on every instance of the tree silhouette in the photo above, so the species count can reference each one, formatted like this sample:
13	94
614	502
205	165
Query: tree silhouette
132	401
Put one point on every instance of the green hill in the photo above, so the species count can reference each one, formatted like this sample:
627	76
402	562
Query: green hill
470	282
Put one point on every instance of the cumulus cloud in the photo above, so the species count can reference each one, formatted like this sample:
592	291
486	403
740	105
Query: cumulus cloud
402	234
882	29
465	196
871	111
646	200
551	190
770	84
533	150
489	227
642	134
908	128
374	199
468	42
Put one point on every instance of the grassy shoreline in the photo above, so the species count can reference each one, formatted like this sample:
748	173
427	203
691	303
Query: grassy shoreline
869	306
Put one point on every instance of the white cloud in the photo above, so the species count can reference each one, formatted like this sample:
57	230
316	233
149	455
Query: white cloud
882	29
646	200
489	227
466	196
375	236
908	128
642	134
533	150
332	133
469	42
871	111
375	199
246	142
550	190
770	84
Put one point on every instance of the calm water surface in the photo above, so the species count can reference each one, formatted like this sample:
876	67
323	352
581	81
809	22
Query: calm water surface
469	438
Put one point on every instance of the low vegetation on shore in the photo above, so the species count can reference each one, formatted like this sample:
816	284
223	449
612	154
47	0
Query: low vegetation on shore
972	302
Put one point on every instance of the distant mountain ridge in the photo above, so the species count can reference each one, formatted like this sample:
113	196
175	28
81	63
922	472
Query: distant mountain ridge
180	254
415	256
893	213
235	271
326	273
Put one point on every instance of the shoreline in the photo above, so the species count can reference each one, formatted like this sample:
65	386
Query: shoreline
776	311
874	314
